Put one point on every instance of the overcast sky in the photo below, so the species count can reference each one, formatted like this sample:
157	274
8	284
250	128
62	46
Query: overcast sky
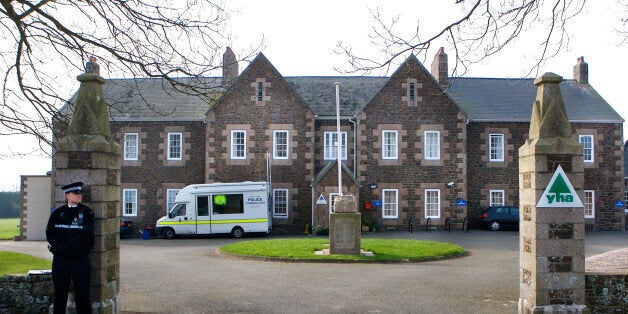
301	38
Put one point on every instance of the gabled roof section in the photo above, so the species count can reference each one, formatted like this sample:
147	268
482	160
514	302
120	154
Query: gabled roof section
154	99
259	62
510	100
412	61
328	167
410	66
319	92
480	99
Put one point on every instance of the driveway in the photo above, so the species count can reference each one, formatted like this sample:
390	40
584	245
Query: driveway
187	276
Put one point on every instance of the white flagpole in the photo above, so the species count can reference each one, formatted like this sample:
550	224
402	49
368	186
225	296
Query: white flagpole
338	138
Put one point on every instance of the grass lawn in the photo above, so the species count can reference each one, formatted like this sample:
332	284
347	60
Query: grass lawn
8	228
384	249
18	263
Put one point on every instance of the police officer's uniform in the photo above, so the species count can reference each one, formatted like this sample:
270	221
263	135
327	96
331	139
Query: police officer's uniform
70	234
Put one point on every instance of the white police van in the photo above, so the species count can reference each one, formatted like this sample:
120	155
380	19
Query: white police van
218	208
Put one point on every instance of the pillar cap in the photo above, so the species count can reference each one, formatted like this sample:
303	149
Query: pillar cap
548	77
90	77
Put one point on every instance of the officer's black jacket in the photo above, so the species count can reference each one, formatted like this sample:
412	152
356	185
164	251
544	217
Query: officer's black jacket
67	234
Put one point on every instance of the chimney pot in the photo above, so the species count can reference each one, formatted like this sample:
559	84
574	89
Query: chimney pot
92	65
439	67
581	71
230	68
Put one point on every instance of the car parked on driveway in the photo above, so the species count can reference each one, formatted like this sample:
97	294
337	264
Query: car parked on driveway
126	227
500	217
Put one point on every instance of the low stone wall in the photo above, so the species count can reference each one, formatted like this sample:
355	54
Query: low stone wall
607	293
26	293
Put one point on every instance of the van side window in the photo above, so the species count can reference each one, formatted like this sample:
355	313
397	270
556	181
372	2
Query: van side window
202	206
228	204
179	210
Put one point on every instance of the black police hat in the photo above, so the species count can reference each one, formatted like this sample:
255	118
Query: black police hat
76	187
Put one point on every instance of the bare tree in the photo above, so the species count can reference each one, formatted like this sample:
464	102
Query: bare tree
481	29
622	25
46	43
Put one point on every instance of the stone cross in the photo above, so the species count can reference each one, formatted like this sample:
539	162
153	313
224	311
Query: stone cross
551	256
88	153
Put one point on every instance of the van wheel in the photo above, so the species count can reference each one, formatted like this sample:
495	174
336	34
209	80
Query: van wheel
495	225
237	232
169	233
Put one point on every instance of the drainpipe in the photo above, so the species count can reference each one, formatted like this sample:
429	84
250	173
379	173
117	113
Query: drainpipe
313	205
355	144
354	121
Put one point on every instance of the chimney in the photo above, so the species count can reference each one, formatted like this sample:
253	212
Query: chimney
439	67
581	71
229	67
92	66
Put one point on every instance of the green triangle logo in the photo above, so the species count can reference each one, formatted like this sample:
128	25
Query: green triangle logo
559	192
559	186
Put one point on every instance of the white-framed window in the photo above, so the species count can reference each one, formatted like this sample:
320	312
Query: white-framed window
432	145
130	146
175	146
331	145
432	203
389	144
280	203
129	205
587	147
238	144
390	203
332	201
496	197
171	194
496	147
280	144
589	204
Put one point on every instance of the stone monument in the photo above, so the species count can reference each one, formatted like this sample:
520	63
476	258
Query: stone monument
551	175
345	226
89	153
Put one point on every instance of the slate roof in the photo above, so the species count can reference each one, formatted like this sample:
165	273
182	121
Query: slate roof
481	99
155	99
319	92
510	100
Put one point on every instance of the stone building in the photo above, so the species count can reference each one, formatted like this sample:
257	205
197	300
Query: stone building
417	144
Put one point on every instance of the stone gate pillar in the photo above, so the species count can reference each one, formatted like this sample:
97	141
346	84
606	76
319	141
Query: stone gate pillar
88	153
551	175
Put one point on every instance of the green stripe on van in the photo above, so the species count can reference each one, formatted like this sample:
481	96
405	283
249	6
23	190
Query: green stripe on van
214	222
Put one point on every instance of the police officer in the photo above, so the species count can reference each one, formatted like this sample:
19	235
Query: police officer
70	234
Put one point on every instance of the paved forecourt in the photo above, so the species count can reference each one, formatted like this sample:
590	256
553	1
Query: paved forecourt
187	276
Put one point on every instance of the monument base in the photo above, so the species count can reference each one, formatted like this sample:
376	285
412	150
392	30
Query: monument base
344	233
526	308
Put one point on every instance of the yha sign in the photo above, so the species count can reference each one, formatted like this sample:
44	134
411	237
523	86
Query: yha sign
559	192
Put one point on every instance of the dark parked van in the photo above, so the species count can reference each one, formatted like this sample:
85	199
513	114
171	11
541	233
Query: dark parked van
498	217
